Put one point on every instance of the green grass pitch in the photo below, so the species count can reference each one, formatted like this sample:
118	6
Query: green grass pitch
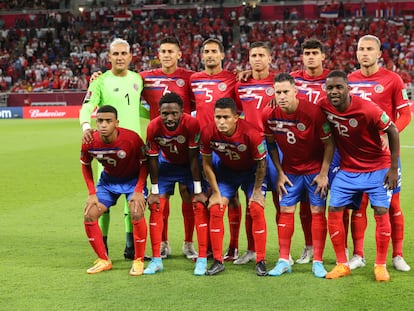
44	252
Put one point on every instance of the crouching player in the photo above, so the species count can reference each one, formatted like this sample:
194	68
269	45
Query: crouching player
122	155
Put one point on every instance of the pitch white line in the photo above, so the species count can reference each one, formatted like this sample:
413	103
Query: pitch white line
408	147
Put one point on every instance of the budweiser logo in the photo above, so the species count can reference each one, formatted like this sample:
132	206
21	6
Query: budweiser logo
36	113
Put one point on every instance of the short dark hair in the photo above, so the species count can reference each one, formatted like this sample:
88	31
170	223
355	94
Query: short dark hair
260	44
313	44
338	74
108	108
282	77
216	41
170	39
171	98
226	102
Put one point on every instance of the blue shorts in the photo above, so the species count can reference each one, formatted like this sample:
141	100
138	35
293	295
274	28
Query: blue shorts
398	188
110	188
301	187
348	187
334	167
229	181
169	174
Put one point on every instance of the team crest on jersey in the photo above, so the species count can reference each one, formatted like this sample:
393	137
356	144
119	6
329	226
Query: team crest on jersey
379	88
270	91
121	154
180	82
301	127
241	147
222	86
136	87
353	122
180	139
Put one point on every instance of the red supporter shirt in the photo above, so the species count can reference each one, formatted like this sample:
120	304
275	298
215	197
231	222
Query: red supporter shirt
357	133
174	145
310	88
299	136
238	152
385	88
253	95
157	84
121	158
207	89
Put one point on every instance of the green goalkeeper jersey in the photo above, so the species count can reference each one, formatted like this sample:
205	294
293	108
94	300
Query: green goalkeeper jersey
123	93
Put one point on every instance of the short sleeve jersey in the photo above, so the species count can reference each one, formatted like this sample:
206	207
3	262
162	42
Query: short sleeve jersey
357	134
385	88
121	159
299	136
157	83
310	88
239	151
253	95
174	145
207	89
123	93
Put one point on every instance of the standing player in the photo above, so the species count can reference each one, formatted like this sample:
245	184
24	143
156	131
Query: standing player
311	86
158	82
292	124
253	95
172	140
122	155
207	87
242	163
121	88
357	126
386	89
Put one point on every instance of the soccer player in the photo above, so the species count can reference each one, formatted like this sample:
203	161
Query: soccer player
207	87
122	155
292	124
386	89
357	126
254	93
122	89
242	163
158	82
310	83
173	150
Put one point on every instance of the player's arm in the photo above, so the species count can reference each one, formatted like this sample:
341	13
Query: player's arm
257	194
391	178
92	199
154	197
403	119
274	155
215	197
89	104
321	180
199	195
137	202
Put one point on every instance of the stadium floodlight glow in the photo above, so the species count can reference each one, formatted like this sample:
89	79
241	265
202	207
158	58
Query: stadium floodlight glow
81	9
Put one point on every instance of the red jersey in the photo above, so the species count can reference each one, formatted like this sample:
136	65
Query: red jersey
207	89
238	152
122	158
174	145
310	88
357	133
299	136
253	95
385	88
157	83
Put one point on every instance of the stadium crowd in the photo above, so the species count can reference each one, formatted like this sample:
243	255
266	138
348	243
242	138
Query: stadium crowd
56	51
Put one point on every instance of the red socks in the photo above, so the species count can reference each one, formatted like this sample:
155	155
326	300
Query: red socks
217	230
234	214
94	234
397	225
140	237
156	223
188	216
382	237
359	226
285	229
166	215
259	230
337	234
306	221
201	216
249	231
318	235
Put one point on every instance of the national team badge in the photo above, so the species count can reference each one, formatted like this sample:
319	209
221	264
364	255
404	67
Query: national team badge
180	82
242	147
121	154
301	127
222	86
270	91
379	88
136	87
180	139
353	122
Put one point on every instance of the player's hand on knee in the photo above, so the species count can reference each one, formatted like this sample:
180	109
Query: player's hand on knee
200	198
154	200
137	205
